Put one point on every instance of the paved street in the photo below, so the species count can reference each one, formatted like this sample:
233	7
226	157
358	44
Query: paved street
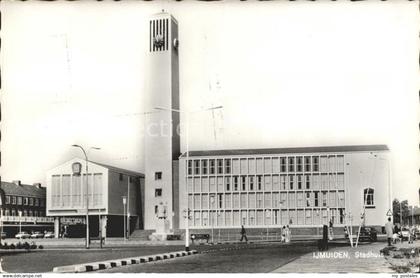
234	258
218	258
46	260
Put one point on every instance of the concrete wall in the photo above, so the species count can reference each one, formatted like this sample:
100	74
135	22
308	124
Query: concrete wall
118	188
79	210
364	170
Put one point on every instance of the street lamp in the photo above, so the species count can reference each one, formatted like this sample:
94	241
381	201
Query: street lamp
389	181
20	221
87	190
124	198
212	218
187	159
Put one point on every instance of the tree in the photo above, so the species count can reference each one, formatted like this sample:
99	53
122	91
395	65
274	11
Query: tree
401	211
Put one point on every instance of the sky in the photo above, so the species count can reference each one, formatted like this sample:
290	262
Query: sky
288	74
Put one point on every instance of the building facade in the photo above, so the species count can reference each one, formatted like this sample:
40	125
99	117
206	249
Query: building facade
162	145
23	207
299	187
67	202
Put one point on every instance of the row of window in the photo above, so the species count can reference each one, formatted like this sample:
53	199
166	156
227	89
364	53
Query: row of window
26	201
267	200
70	191
30	213
278	217
266	183
228	166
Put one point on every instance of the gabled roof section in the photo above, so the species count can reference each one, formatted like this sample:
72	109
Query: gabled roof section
324	149
119	170
25	190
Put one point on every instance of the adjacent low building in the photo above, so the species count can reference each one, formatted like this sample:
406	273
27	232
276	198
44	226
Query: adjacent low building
23	207
66	198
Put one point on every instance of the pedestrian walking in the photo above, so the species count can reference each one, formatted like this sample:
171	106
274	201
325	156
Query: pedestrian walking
388	230
243	234
283	234
330	230
288	234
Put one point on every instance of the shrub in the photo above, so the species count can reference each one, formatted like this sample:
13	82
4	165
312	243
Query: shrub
12	246
40	247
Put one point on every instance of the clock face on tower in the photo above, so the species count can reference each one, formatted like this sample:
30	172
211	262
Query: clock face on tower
158	40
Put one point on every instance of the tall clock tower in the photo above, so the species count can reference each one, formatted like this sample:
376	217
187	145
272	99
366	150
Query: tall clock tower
162	143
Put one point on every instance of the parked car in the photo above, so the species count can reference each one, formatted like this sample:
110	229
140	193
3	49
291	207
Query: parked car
37	235
3	235
49	235
22	235
366	234
404	234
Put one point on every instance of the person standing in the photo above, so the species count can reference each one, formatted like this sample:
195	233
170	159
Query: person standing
243	234
288	234
389	231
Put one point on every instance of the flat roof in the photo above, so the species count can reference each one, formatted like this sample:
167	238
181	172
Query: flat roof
322	149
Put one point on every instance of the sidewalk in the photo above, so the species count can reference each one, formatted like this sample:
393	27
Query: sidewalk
366	258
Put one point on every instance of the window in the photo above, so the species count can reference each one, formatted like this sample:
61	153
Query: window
121	177
204	167
299	164
220	166
307	163
227	166
259	200
19	200
291	179
307	182
13	200
42	202
197	167
324	199
315	163
251	183
235	183
227	183
7	199
308	199
243	183
283	182
212	170
189	167
158	175
368	197
299	181
259	182
158	192
316	198
31	201
220	198
282	164
291	164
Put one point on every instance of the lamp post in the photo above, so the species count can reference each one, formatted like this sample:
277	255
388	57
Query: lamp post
187	160
390	207
212	218
20	221
124	198
87	190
